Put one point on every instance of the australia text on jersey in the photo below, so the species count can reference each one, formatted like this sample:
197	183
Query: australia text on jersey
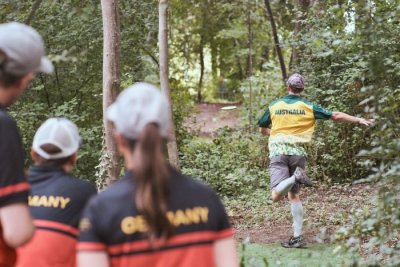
290	112
196	215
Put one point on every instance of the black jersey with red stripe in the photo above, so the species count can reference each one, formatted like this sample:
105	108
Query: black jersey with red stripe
57	200
13	185
112	224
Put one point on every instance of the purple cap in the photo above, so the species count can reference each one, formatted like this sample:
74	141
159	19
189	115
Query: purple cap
296	81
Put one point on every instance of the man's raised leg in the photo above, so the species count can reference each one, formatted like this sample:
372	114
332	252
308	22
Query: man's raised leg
283	188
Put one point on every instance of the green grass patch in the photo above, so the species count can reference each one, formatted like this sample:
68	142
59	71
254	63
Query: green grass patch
271	255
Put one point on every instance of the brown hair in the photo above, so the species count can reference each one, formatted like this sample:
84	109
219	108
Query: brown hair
295	89
7	79
51	149
152	184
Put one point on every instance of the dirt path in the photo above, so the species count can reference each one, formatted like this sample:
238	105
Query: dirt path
209	118
324	207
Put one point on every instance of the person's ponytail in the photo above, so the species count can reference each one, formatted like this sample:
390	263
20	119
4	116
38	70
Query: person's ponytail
152	184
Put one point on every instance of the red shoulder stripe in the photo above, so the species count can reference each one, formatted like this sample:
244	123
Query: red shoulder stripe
12	189
57	226
175	240
183	257
91	246
224	234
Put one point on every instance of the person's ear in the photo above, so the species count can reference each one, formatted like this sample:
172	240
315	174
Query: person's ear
33	154
122	143
26	80
74	159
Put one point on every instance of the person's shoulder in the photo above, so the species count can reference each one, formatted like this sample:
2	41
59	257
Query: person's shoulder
308	102
79	185
109	200
275	101
194	186
117	190
6	120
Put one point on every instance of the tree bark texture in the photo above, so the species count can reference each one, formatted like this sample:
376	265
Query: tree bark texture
276	40
164	79
111	82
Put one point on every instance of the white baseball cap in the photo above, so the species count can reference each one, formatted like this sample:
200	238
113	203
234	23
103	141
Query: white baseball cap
59	132
23	49
136	107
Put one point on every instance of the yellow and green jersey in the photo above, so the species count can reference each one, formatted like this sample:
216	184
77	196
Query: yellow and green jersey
293	123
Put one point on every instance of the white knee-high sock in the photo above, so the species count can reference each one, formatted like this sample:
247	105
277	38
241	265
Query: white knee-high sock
297	213
283	187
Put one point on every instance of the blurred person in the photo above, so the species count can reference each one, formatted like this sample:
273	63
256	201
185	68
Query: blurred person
154	216
22	56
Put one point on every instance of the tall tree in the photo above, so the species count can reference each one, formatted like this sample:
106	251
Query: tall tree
201	58
32	14
164	78
250	63
303	6
276	40
111	82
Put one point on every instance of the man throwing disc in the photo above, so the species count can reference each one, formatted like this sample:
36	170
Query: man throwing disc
293	122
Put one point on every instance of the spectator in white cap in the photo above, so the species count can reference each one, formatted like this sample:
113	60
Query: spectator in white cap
154	216
22	55
57	198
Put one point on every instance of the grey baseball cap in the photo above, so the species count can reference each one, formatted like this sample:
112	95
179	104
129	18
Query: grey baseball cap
137	106
296	81
23	50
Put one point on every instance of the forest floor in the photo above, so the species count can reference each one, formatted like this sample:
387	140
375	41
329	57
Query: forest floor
263	224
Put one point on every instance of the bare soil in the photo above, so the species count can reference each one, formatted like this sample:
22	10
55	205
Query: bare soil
325	208
209	118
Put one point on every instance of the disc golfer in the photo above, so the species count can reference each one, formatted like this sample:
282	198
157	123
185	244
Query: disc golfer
293	122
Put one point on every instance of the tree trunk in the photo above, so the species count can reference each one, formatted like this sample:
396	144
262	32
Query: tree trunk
303	6
214	61
201	55
238	62
32	14
250	70
295	58
111	83
276	39
164	78
264	58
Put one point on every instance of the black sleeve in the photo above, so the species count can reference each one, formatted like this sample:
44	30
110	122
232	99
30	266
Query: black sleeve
82	198
89	237
222	226
13	185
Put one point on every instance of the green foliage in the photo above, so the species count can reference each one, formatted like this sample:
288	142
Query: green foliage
182	108
233	163
72	31
220	30
273	255
370	63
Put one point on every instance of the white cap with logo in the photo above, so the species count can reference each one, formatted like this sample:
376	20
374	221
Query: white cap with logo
138	106
23	50
59	132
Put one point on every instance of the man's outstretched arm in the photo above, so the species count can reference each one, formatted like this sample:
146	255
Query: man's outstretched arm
343	117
